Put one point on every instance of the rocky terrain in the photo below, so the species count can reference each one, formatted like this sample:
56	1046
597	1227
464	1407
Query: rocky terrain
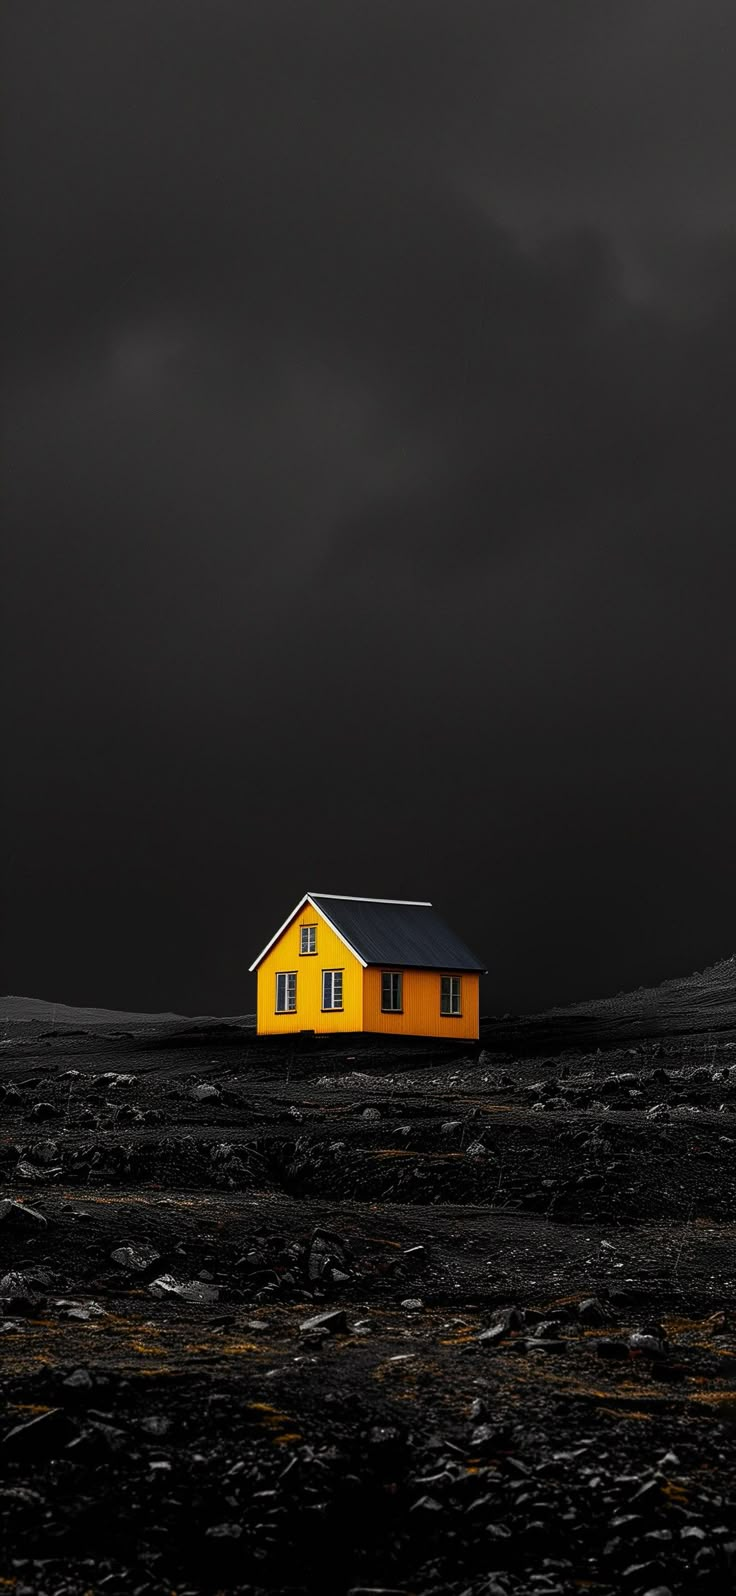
352	1317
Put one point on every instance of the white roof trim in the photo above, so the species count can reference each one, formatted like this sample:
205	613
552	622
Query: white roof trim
276	936
309	898
349	897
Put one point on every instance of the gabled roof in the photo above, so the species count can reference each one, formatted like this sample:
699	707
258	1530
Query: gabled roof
387	931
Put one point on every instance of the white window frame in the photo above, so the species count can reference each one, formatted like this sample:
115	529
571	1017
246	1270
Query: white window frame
307	939
289	992
332	989
453	1009
398	977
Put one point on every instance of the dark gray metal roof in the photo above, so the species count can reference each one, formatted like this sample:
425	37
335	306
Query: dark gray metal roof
388	933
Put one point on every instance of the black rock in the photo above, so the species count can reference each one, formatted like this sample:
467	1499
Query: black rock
591	1311
19	1292
136	1258
647	1494
546	1329
46	1435
490	1439
426	1504
96	1441
495	1334
334	1323
19	1215
80	1381
648	1343
513	1319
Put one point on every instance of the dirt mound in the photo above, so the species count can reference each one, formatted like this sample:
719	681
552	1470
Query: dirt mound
700	1004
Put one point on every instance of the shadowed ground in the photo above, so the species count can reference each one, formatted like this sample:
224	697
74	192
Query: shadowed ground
181	1200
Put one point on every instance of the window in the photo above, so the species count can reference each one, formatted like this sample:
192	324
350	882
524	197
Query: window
450	994
391	991
308	939
286	992
332	989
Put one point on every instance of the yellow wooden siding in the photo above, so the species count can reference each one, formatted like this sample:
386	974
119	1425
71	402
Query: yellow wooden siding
421	1005
331	954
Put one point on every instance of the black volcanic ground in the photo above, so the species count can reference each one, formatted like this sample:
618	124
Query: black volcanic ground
351	1317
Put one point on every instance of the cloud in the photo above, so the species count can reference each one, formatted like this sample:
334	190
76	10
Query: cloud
367	483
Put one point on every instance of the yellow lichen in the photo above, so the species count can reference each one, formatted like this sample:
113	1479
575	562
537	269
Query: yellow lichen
723	1399
627	1413
674	1493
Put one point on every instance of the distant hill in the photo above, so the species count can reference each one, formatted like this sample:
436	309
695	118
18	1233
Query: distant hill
703	1003
56	1016
35	1016
708	994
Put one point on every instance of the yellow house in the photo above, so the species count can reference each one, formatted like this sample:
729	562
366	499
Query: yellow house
367	964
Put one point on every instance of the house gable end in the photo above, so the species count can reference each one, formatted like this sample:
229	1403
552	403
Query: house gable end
321	915
308	979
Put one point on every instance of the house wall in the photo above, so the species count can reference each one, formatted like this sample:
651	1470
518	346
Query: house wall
331	954
421	1001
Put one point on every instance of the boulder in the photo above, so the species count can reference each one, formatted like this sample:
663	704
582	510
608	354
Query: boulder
20	1216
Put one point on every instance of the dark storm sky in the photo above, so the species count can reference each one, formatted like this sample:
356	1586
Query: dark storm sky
369	485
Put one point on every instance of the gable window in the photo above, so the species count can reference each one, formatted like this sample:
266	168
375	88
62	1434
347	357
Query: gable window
332	989
391	991
308	942
450	994
286	992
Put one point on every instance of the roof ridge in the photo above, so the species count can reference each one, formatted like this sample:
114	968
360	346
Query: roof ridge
374	938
